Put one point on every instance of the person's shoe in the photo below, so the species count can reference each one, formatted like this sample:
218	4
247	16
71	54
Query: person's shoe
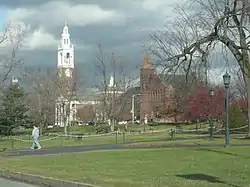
39	147
32	148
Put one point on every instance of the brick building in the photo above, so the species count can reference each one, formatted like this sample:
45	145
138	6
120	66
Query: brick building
159	94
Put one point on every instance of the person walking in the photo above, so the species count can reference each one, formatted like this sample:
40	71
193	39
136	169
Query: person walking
35	135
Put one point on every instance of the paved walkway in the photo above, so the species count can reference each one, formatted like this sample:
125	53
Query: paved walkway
9	183
77	149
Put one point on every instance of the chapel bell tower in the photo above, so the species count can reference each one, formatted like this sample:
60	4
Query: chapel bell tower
65	62
66	83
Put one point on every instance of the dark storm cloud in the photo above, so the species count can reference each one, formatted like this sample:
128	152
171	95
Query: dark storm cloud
22	3
103	3
124	40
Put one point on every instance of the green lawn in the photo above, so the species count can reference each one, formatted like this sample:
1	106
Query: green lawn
177	142
135	127
144	168
25	142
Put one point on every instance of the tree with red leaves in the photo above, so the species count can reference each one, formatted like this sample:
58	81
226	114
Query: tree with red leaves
200	104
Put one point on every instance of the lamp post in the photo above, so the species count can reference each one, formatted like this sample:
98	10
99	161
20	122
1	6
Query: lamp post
211	92
226	79
133	108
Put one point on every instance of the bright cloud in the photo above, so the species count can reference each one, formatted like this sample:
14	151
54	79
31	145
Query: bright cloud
40	38
215	75
153	5
51	15
55	12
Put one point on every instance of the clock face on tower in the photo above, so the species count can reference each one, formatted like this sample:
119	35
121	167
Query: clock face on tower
68	72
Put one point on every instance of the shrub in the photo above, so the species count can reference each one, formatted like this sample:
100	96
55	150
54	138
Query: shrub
103	129
236	116
22	131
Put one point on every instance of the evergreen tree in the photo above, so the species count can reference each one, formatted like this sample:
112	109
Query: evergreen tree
13	112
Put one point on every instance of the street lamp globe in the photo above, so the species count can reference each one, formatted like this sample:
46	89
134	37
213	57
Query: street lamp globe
211	92
226	80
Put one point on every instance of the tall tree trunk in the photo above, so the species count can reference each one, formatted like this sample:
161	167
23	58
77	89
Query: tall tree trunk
247	83
41	128
65	126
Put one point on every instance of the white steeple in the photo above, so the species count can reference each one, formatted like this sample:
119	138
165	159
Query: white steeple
111	82
65	50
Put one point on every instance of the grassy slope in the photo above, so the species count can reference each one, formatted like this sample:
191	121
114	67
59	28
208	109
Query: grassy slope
216	141
144	168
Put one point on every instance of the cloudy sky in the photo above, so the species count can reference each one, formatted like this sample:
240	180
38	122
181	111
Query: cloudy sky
120	26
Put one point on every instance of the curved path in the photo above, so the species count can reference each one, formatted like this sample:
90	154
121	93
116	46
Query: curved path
9	183
77	149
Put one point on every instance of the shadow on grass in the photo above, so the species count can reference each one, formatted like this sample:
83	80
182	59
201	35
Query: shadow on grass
169	139
204	177
222	152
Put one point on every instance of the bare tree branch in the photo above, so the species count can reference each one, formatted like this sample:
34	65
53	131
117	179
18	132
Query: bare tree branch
113	97
42	95
11	40
211	22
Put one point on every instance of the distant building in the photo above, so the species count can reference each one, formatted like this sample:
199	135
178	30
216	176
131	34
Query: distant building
157	92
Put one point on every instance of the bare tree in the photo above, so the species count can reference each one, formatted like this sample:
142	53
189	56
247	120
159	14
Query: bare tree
210	22
239	85
11	40
66	93
42	96
113	92
102	68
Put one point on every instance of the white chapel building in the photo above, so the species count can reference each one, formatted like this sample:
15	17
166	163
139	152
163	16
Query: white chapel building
66	74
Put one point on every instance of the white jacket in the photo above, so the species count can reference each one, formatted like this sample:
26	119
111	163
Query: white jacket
35	132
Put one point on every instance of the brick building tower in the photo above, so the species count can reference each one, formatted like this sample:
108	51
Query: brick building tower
161	92
153	92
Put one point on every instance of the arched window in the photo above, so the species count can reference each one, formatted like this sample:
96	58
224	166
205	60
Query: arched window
67	55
